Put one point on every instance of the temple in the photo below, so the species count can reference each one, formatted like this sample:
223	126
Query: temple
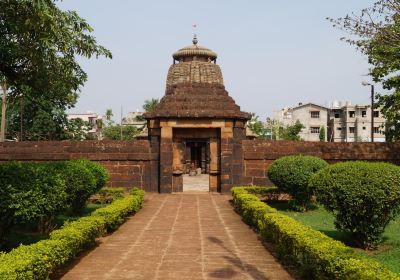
197	125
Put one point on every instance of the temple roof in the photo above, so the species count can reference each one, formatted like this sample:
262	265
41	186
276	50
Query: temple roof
195	88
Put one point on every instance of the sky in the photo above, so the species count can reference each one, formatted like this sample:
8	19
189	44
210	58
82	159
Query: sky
273	54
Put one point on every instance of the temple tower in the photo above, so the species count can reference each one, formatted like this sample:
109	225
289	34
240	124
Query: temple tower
197	125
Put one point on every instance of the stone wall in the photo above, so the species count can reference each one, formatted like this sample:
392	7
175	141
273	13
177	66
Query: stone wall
258	155
136	163
130	163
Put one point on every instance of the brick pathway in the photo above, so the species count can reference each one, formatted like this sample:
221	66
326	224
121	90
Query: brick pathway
181	236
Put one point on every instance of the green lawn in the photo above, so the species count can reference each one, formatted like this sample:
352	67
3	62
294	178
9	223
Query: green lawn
388	252
27	234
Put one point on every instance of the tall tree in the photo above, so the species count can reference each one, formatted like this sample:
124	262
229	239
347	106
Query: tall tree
257	126
376	33
150	104
291	132
39	44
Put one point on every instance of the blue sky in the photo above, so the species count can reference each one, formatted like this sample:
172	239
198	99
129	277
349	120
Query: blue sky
272	53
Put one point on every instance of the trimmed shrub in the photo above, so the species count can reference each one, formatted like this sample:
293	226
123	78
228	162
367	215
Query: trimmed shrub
109	194
37	261
30	192
319	256
119	209
364	197
80	183
291	175
99	172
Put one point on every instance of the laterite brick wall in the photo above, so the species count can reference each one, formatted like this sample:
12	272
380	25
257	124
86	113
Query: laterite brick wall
130	163
259	154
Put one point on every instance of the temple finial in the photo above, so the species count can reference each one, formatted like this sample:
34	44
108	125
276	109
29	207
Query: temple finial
195	41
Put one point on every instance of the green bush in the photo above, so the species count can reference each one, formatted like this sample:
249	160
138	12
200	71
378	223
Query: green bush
29	192
99	172
292	173
37	261
119	209
109	194
364	197
80	183
317	255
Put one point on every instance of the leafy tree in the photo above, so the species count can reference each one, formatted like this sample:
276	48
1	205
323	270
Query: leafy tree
257	126
322	134
38	48
376	33
113	132
150	104
291	132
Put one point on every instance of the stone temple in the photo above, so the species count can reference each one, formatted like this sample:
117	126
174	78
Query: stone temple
197	125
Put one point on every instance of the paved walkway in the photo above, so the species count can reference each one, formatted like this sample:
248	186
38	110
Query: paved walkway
181	236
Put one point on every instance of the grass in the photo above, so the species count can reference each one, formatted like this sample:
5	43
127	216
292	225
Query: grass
319	219
28	234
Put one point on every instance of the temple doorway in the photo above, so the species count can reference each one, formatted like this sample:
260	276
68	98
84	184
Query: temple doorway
197	165
196	156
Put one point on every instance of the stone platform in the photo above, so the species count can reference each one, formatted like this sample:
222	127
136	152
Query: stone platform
180	236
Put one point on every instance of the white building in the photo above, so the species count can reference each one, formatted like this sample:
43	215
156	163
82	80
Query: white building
91	118
314	117
352	123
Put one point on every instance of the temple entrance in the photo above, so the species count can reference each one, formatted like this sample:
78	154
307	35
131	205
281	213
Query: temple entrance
196	156
197	163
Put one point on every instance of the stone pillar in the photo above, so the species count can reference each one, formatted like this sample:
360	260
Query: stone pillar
177	166
215	152
239	134
226	158
154	165
166	158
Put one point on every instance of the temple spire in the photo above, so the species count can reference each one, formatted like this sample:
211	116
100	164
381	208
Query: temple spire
195	41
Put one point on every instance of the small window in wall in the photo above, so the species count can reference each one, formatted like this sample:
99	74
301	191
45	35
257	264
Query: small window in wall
338	128
315	114
376	130
314	130
376	114
352	129
337	115
364	128
364	114
352	114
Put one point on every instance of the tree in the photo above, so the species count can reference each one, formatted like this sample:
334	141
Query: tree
257	126
291	132
322	134
150	104
376	33
114	132
39	44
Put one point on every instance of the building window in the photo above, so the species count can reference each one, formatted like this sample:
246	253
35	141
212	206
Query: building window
352	114
364	128
314	130
315	114
337	115
352	129
376	114
376	130
338	128
364	114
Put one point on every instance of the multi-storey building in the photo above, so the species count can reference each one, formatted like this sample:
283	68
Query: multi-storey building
312	116
352	123
343	122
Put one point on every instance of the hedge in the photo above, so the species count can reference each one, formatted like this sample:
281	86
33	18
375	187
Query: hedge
317	255
38	260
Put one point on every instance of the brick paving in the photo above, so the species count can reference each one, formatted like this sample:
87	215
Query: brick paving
181	236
